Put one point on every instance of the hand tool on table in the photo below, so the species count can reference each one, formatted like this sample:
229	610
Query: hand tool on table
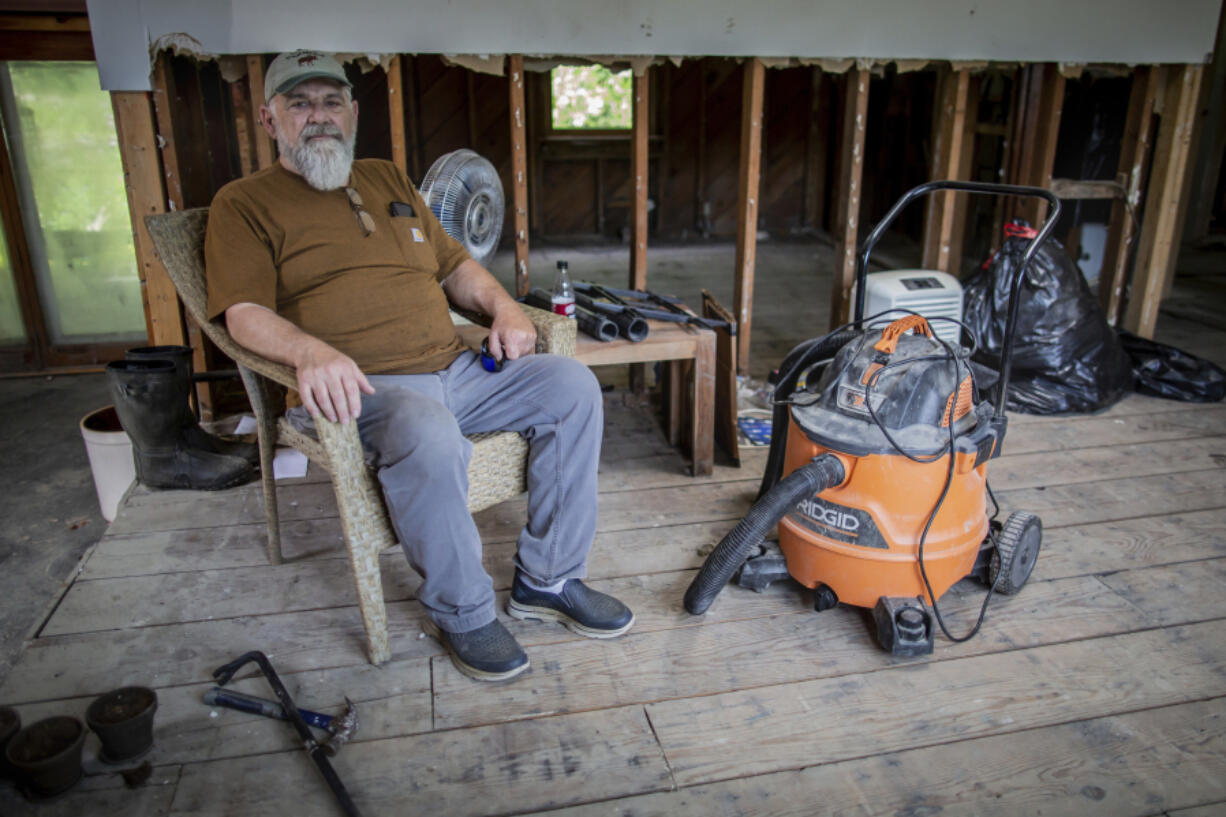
631	324
341	728
590	323
644	303
316	751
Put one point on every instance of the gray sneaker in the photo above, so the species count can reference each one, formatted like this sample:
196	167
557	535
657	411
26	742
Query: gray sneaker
581	609
488	653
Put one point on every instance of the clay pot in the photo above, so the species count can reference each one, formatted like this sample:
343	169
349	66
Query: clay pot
10	724
47	755
123	720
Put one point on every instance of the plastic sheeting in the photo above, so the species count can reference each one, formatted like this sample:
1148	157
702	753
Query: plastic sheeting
1066	358
1164	371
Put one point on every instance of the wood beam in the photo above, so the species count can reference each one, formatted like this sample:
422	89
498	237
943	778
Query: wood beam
519	170
395	115
700	164
1159	245
470	92
46	37
1209	154
1040	126
412	134
749	180
138	149
847	214
163	98
1086	189
244	127
948	143
815	153
957	239
1134	158
638	177
255	85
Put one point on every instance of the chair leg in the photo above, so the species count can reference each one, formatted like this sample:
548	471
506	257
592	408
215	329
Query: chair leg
366	531
267	423
368	580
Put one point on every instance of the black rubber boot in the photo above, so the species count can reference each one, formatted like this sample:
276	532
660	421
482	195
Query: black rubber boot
197	437
147	398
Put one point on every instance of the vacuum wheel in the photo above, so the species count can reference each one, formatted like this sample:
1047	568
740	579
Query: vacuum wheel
1017	549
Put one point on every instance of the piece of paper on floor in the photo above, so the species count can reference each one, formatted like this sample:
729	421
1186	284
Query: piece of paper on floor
289	463
246	425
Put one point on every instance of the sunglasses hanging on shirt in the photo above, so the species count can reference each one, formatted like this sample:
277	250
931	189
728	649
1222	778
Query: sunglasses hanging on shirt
365	220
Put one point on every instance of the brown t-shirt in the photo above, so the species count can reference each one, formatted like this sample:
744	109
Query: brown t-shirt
275	241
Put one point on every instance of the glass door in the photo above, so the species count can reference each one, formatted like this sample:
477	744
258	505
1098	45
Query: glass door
67	182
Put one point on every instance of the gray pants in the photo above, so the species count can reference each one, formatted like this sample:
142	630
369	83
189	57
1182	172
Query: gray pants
413	430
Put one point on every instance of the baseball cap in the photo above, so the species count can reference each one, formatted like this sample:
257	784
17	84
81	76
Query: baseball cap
293	67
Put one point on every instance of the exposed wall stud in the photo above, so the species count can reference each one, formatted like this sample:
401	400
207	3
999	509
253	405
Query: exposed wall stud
748	185
847	213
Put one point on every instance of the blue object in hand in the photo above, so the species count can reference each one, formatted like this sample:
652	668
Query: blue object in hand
488	361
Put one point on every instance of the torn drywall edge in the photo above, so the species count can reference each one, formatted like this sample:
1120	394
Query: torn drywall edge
1092	31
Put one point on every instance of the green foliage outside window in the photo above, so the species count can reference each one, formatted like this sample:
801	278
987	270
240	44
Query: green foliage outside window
591	97
90	287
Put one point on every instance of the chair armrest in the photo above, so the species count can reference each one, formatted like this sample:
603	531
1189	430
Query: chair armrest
277	372
555	334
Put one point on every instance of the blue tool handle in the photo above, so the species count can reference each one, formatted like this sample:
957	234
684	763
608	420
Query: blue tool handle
243	703
488	361
261	706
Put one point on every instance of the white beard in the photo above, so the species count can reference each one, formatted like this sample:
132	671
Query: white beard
323	163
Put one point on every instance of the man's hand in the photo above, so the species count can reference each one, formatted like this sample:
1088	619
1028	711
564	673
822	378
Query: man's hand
329	382
470	286
512	335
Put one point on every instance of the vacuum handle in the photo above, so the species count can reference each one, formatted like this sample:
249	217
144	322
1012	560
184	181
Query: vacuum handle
891	334
866	250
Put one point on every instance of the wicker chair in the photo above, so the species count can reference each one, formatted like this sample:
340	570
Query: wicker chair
496	471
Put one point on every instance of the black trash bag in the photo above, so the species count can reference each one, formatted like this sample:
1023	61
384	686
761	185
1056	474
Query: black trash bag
1066	358
1165	371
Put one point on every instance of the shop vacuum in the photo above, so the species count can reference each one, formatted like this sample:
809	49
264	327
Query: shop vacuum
882	434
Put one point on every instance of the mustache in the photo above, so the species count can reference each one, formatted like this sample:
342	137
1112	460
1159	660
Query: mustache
321	129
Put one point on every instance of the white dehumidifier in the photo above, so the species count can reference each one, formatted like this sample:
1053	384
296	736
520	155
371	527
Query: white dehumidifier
930	293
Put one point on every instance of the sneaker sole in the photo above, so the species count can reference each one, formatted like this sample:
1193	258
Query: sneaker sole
431	629
531	612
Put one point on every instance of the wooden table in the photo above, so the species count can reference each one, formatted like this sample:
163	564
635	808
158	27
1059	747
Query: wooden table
678	345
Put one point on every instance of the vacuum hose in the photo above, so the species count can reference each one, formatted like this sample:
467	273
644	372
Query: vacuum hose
824	472
793	366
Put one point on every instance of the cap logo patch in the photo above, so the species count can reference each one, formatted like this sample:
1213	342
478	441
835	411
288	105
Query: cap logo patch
308	59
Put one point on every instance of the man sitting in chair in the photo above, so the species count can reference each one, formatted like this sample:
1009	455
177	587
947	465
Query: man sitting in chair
339	269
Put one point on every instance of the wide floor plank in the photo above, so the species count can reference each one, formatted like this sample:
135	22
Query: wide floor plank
796	725
1132	765
523	766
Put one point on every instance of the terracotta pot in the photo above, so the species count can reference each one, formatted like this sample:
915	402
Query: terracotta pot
10	724
47	755
123	720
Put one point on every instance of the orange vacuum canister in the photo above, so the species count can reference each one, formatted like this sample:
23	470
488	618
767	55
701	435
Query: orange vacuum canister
877	475
860	538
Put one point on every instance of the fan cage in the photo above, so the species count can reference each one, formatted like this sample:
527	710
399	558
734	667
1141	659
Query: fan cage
464	192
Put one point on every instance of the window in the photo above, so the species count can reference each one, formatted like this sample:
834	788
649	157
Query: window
65	154
591	97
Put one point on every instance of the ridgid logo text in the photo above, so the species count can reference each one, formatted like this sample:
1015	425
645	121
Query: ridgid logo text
834	517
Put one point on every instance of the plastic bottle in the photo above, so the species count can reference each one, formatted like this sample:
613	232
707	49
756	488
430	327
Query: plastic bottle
563	296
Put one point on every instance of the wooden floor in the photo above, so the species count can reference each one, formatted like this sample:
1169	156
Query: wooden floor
1099	690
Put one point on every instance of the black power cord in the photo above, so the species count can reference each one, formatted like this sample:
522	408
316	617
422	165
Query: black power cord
949	475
